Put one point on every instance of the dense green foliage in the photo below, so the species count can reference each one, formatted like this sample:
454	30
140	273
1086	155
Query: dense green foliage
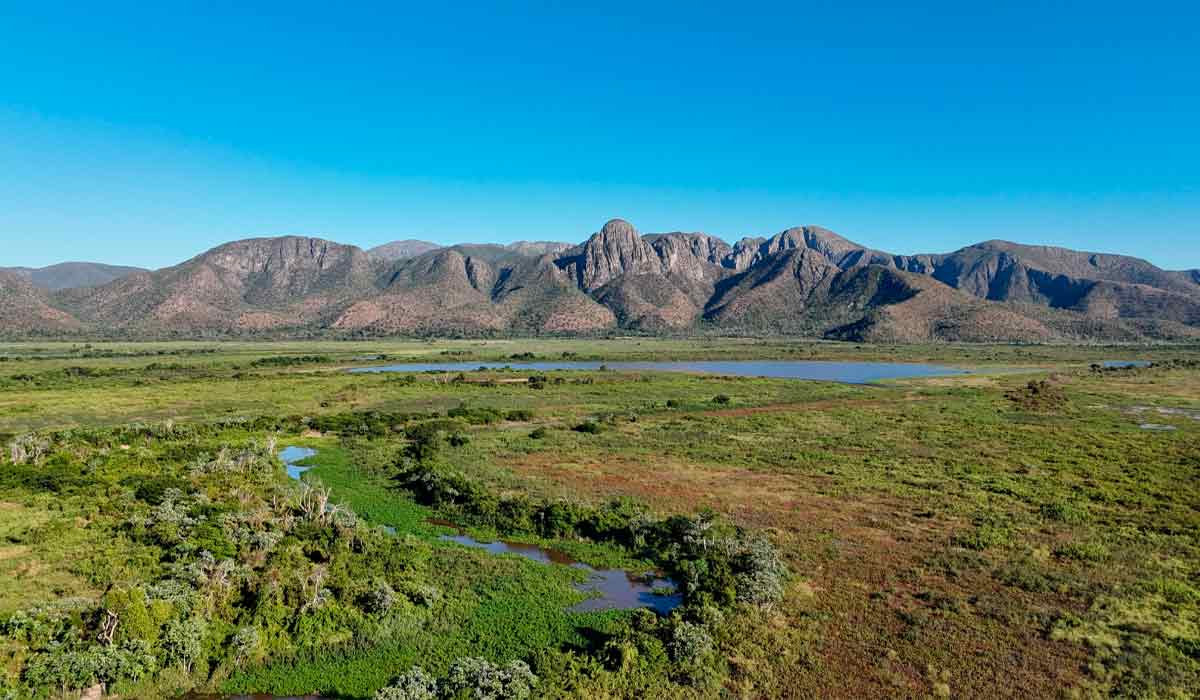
216	570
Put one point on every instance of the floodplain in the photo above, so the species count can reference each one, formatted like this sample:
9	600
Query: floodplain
1026	528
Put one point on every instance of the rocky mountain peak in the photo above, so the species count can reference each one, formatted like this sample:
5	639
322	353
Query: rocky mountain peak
618	228
617	249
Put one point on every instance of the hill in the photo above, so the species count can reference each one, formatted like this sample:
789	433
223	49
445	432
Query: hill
70	275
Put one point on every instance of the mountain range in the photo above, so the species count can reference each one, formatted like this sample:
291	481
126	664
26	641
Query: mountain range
805	280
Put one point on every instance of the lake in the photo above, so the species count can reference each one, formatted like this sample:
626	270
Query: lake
844	372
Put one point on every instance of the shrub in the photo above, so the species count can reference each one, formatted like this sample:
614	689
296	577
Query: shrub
424	440
1083	551
1039	395
721	399
519	415
183	641
291	361
761	572
689	642
475	416
590	427
483	680
28	449
558	519
989	531
380	598
62	667
416	684
538	433
1066	512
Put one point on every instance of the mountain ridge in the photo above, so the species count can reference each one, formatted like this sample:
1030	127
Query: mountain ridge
73	274
805	280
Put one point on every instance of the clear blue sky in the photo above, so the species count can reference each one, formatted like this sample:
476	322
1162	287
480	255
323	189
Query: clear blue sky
144	133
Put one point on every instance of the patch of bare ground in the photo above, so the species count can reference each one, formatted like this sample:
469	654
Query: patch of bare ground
885	624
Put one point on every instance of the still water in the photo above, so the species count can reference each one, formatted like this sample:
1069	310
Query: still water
292	455
610	589
845	372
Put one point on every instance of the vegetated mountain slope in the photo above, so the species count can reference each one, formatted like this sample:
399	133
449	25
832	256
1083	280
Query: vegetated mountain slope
24	308
976	265
1094	284
442	290
71	275
805	280
536	248
254	284
475	289
401	250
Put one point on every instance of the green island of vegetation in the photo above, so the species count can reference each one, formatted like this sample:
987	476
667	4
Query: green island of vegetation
1028	529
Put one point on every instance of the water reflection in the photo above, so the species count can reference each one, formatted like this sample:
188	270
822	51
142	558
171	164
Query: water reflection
611	589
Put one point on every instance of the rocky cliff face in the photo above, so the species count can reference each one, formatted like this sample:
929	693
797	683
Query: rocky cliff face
616	250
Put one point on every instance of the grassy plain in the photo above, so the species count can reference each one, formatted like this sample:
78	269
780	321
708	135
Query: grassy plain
972	536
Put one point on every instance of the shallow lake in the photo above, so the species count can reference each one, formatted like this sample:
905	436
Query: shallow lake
845	372
611	589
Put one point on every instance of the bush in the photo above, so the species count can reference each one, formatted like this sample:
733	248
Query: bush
483	680
1083	551
380	598
539	433
519	415
1066	512
721	399
689	643
183	642
416	684
761	573
475	416
28	449
291	361
590	427
989	531
424	441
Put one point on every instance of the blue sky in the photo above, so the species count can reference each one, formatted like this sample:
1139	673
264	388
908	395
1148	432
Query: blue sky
145	133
